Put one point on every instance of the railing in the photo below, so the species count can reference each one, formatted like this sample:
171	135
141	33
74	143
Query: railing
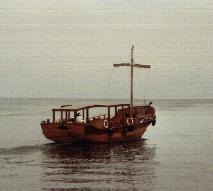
99	117
85	111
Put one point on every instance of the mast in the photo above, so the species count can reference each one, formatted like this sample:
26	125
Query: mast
131	65
131	77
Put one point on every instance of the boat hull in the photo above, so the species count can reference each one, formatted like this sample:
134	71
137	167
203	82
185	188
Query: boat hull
120	136
76	132
53	133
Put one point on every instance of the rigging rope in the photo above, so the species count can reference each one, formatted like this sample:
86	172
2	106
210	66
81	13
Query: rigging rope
146	86
108	84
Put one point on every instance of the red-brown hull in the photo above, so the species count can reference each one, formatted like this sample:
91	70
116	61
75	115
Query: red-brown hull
52	133
78	132
117	137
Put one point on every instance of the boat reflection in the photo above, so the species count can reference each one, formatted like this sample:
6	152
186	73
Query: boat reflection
125	166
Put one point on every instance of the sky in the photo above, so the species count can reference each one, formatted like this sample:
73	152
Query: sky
66	49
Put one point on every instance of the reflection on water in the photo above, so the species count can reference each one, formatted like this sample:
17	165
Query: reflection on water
126	166
54	167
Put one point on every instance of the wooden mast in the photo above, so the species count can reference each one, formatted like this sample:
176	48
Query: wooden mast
131	77
131	65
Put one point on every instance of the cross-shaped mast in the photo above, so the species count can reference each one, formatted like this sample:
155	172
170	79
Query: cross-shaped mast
132	65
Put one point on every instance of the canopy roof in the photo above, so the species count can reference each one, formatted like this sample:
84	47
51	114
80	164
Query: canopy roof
77	108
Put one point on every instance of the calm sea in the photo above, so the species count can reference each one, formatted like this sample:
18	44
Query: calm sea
176	154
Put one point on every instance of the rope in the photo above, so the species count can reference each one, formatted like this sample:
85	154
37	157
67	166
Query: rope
146	86
108	85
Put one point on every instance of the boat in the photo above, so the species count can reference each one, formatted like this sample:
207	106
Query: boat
117	123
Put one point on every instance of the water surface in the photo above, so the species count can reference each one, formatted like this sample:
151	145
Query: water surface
176	154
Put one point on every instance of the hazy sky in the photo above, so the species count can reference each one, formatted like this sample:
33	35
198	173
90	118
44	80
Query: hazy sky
66	48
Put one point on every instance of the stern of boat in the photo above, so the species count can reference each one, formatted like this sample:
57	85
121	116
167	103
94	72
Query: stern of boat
56	133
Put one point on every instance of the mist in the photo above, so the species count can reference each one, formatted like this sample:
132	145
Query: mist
66	49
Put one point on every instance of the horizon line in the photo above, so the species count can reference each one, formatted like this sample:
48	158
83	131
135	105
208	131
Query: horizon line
83	98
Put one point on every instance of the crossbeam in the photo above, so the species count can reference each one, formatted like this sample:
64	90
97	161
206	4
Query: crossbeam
134	65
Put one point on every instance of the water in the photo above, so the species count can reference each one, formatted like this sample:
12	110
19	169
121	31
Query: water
176	154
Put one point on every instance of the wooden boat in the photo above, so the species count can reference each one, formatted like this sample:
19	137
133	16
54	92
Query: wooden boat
121	122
